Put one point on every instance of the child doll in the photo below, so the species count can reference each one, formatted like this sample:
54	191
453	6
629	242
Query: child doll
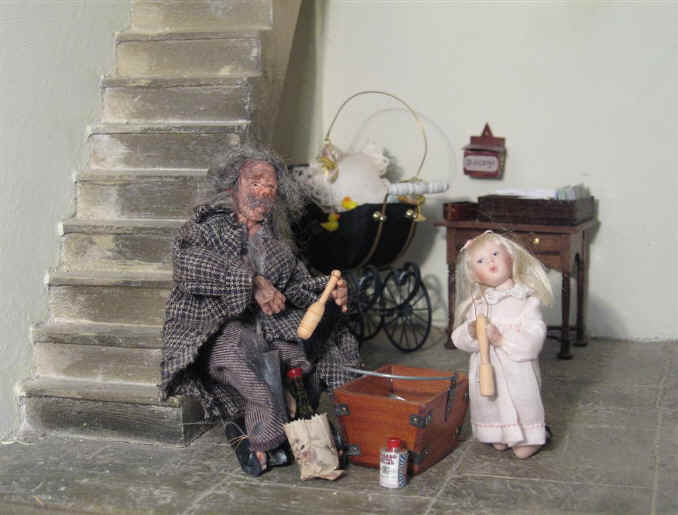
500	280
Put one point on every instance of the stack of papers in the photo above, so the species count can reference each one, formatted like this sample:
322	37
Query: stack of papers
564	193
536	193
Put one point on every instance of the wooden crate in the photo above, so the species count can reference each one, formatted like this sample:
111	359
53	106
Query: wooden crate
517	210
426	415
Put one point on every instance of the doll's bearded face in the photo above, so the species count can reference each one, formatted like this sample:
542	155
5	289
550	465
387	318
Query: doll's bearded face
257	188
491	264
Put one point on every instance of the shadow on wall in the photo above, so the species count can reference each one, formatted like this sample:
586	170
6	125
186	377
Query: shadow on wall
603	320
302	97
427	233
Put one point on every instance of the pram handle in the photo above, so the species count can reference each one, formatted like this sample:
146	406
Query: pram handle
412	112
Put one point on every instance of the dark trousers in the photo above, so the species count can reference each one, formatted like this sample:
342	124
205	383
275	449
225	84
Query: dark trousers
236	358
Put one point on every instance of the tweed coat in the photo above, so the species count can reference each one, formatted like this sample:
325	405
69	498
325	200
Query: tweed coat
213	291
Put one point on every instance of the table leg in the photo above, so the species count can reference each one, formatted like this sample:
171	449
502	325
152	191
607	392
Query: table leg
451	292
565	327
582	286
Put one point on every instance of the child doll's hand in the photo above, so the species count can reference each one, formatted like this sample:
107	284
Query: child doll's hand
472	329
494	335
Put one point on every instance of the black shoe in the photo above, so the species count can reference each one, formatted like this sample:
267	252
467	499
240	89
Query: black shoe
279	457
241	446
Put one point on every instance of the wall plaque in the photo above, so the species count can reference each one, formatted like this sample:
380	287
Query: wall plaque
485	155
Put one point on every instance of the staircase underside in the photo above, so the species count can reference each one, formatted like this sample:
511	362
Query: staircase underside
188	80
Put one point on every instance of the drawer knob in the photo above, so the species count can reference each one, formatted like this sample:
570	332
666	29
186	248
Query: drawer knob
535	241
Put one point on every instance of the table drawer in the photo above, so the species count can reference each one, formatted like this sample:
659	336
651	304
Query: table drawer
551	261
537	243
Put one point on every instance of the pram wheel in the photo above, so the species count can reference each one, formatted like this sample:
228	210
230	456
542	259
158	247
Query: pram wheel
406	308
364	288
365	326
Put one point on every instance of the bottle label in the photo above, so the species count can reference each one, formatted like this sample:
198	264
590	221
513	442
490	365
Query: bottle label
393	468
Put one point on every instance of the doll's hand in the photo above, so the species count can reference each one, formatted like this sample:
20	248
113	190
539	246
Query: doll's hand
340	295
494	335
269	299
472	329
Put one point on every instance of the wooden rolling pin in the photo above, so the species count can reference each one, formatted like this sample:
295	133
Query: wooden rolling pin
315	311
485	372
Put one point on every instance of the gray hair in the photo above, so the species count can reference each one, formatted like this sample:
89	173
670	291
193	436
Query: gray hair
291	198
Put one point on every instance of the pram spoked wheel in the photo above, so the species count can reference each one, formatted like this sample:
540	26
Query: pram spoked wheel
364	319
399	304
405	308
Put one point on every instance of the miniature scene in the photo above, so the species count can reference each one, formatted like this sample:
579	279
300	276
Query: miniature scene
341	257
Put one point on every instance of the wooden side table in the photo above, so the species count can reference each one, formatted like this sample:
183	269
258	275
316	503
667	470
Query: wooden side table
561	247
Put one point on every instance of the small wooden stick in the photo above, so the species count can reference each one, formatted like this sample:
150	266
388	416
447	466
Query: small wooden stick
315	311
485	372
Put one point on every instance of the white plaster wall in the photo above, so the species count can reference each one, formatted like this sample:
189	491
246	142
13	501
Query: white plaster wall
52	56
583	92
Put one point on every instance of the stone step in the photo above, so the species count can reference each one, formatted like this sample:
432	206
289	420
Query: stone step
125	146
98	363
111	335
99	352
145	194
178	100
122	297
168	15
142	245
188	54
109	410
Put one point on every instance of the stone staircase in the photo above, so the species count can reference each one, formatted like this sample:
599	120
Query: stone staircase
189	79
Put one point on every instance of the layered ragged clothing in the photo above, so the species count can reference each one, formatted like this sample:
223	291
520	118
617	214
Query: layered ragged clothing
515	415
213	300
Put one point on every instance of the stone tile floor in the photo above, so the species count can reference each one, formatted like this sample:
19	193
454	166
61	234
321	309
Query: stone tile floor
613	410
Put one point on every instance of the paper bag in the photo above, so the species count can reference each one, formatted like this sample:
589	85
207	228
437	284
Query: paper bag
313	447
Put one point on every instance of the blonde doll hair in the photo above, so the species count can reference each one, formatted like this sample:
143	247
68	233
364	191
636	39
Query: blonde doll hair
527	270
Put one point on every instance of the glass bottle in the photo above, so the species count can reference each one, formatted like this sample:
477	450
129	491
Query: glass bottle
304	409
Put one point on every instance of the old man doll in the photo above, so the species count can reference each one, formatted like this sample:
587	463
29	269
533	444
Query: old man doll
240	293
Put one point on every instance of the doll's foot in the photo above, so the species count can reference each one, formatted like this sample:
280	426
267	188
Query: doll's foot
525	451
500	446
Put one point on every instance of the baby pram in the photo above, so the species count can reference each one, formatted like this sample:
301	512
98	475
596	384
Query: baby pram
368	240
